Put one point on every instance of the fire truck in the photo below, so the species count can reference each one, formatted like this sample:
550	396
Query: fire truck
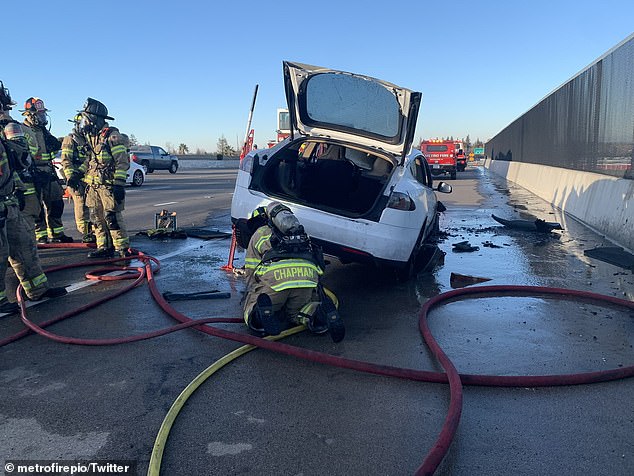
283	127
461	158
441	156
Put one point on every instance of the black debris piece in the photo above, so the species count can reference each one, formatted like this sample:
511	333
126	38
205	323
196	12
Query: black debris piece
461	280
205	234
464	246
213	294
613	255
538	225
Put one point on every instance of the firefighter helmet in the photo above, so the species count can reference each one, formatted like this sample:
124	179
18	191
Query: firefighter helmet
259	212
34	106
76	118
35	111
5	98
282	218
96	108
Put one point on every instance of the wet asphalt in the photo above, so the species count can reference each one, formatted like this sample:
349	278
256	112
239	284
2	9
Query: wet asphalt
269	414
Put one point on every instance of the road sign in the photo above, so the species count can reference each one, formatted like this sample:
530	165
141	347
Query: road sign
478	150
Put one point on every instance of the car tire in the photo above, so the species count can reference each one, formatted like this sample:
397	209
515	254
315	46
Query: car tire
146	166
173	167
137	178
408	271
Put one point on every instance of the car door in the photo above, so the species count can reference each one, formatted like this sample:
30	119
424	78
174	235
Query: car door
425	198
162	158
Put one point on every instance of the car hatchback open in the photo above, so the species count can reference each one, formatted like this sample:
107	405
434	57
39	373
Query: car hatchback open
348	170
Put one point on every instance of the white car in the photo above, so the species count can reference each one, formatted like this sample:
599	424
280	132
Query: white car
135	176
347	170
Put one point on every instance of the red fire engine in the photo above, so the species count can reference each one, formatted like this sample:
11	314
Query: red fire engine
461	158
441	156
283	127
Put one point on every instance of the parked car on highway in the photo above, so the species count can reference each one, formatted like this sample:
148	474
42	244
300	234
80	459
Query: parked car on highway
154	158
135	176
347	171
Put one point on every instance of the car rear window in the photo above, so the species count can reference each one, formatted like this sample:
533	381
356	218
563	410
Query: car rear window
352	103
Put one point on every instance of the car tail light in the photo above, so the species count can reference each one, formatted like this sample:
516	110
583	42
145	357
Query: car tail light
134	158
401	201
246	164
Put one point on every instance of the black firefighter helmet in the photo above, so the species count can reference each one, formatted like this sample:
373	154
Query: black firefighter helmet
96	108
5	98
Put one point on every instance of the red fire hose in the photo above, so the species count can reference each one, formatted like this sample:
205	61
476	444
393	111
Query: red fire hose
455	380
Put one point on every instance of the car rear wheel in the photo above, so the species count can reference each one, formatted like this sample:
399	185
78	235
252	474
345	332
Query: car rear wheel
137	178
173	167
146	166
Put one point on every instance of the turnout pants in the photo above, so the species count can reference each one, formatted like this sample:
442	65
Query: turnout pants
290	301
17	247
82	212
107	218
32	209
50	221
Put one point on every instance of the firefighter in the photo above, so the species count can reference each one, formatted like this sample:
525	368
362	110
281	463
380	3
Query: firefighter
17	240
283	270
73	156
48	227
25	188
104	172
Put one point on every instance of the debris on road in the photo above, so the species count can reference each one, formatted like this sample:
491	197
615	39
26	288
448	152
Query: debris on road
462	280
213	294
160	233
464	246
528	225
489	244
613	255
204	234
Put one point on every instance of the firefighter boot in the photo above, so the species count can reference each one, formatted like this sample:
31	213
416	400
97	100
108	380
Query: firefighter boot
50	293
61	239
126	254
101	253
7	307
333	320
271	323
89	238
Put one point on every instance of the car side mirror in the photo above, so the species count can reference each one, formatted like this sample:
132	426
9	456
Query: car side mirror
444	187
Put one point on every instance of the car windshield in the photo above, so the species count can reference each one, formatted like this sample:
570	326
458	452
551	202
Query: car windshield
436	148
354	103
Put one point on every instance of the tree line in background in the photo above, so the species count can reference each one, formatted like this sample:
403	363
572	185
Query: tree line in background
222	147
466	142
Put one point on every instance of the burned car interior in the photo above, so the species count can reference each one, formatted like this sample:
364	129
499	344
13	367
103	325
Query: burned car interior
327	176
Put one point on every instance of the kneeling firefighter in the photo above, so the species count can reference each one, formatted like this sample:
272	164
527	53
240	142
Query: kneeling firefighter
283	271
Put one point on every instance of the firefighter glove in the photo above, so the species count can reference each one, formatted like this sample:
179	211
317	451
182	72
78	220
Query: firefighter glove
118	191
21	201
74	181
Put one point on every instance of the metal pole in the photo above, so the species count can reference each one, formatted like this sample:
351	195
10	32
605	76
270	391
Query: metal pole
246	135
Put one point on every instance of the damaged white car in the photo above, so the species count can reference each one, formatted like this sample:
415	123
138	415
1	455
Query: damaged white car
347	170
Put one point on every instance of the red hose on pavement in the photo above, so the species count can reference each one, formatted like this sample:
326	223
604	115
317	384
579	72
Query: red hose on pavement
455	380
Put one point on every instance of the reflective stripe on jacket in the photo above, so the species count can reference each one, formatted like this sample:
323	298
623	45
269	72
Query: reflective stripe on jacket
108	160
278	275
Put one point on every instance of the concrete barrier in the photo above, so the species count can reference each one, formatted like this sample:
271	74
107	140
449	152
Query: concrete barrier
603	203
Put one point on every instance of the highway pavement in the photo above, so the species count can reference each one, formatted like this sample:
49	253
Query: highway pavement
271	414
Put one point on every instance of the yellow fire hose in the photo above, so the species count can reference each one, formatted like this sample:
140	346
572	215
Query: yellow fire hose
154	468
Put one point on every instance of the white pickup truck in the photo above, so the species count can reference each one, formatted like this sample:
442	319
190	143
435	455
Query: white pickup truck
152	158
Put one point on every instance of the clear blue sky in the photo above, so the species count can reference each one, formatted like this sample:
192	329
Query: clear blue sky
184	71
